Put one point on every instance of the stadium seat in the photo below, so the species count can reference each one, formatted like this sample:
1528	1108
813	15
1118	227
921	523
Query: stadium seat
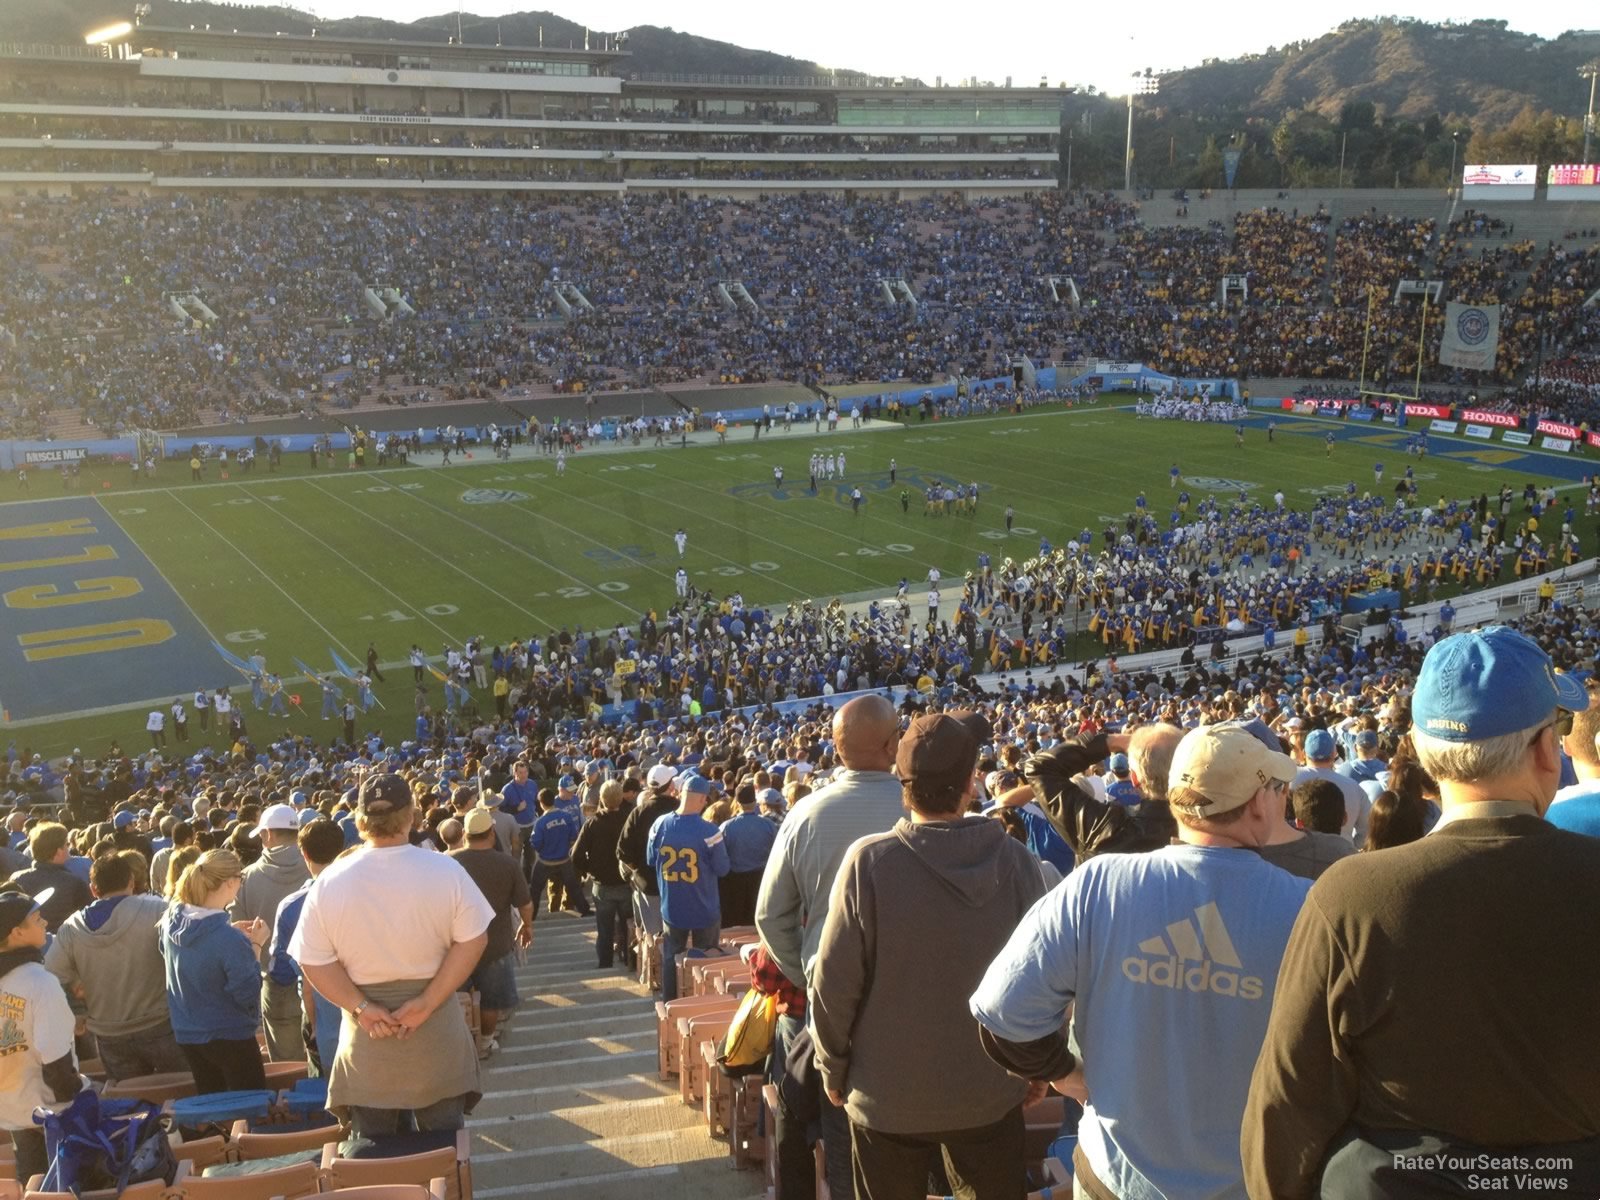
301	1179
155	1089
154	1189
667	1016
200	1153
248	1145
695	1028
435	1190
451	1163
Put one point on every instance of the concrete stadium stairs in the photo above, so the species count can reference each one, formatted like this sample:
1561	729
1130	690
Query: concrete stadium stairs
572	1108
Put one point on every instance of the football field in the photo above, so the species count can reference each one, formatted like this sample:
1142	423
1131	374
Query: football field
114	594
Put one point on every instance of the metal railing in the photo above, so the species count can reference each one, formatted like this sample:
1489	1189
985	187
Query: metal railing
804	81
47	50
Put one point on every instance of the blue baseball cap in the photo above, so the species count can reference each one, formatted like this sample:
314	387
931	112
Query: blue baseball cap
123	819
567	783
698	784
1319	745
1119	764
1488	683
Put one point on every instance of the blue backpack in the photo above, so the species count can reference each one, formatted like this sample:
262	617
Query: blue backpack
95	1144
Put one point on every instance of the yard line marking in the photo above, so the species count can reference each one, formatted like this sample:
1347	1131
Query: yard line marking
787	547
277	511
257	569
629	609
432	553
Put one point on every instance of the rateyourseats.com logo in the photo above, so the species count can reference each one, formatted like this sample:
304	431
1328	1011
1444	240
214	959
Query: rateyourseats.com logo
1194	956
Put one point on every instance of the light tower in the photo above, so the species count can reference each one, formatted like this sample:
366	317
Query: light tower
1145	83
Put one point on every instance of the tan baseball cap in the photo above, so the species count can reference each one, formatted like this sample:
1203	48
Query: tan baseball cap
480	821
1226	764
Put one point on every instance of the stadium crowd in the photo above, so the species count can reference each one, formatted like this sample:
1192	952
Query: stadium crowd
187	900
286	279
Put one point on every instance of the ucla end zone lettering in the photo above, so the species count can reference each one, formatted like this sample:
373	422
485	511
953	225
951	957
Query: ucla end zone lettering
86	620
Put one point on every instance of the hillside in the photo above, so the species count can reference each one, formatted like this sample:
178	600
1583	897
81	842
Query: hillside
653	49
1482	72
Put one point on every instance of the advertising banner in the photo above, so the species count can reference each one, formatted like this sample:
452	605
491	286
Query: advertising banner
1428	410
1554	443
1478	416
1592	439
57	455
1499	175
1499	181
1442	426
1558	428
1479	431
1574	174
1574	181
1515	437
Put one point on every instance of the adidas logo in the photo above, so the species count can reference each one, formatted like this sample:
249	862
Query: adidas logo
1167	959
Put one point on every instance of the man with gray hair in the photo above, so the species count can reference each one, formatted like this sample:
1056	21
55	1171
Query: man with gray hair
1434	1024
1092	826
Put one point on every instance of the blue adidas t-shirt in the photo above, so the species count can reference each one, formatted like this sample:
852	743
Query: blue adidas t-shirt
1171	958
689	856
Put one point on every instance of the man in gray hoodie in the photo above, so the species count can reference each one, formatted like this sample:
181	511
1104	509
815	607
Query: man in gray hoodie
917	914
108	955
278	873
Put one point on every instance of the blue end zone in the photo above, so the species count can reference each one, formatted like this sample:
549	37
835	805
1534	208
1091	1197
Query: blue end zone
86	620
1387	445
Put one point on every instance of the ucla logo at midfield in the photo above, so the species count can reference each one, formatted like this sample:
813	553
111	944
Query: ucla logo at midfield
1210	483
491	496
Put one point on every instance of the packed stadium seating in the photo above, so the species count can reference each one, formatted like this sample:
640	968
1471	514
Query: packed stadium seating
91	342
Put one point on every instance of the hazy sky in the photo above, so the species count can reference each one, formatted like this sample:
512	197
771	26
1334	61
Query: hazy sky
1082	43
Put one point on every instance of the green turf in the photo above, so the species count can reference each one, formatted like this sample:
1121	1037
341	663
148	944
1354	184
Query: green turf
293	563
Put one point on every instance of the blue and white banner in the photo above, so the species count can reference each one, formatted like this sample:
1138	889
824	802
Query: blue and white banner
1471	336
1230	163
1485	432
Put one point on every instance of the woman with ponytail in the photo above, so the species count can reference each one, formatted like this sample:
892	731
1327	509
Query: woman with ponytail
214	977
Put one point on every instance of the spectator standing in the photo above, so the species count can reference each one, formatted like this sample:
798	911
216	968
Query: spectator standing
1321	754
38	1066
520	798
595	857
1360	1070
389	935
1577	806
213	976
689	858
1368	764
319	842
551	841
1168	962
60	891
862	799
109	956
750	838
634	842
1093	826
500	879
182	835
942	879
1309	847
266	883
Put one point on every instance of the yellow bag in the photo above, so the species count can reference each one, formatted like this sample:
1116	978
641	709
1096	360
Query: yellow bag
745	1049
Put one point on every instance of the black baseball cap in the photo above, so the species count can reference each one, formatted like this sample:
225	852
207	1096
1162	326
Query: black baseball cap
385	793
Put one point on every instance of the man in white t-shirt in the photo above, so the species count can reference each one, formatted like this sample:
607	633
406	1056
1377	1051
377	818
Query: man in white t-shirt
389	934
